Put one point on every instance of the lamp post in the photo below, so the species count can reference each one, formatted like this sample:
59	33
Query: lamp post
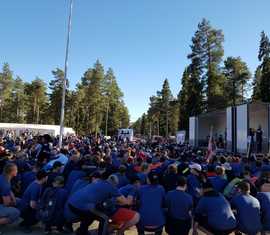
62	117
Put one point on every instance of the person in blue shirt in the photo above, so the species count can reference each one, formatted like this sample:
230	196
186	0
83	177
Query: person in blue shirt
28	177
264	198
151	199
169	180
194	185
179	205
219	182
84	204
213	213
248	210
121	175
29	203
79	184
8	213
145	169
55	171
74	175
61	196
130	191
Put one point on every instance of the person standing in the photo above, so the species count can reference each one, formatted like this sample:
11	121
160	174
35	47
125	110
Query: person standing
259	139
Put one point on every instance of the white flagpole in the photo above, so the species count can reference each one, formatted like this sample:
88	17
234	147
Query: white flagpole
62	117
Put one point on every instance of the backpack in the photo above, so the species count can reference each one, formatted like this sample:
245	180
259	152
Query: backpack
47	205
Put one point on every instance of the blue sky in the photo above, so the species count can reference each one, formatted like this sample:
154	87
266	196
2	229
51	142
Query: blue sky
144	41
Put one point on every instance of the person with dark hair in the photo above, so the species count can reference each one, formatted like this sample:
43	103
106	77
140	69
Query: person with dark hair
55	171
121	175
130	190
169	180
151	199
8	213
87	205
28	177
264	198
179	204
53	202
213	213
248	210
29	203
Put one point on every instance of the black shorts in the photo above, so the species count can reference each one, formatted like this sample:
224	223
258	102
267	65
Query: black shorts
177	227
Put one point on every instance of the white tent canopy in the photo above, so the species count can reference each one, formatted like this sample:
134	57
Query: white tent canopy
53	130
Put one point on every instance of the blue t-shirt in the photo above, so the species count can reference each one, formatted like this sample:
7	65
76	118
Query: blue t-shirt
218	212
143	177
194	186
128	190
122	180
248	213
72	178
219	183
237	169
88	197
79	184
61	198
26	179
32	193
5	187
151	200
264	199
179	204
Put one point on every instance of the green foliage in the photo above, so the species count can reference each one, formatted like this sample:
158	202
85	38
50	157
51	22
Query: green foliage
237	77
262	77
206	56
162	116
37	101
95	97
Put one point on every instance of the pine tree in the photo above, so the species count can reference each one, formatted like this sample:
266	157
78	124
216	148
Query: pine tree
18	102
115	113
6	80
143	128
166	98
37	101
93	82
183	98
207	53
237	77
256	84
264	79
55	95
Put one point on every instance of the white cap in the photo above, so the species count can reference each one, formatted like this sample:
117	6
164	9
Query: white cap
196	166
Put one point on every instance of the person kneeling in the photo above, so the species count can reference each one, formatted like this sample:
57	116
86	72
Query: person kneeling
179	204
213	213
29	203
85	205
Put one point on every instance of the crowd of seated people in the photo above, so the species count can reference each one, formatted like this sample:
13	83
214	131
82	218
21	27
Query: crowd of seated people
155	187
